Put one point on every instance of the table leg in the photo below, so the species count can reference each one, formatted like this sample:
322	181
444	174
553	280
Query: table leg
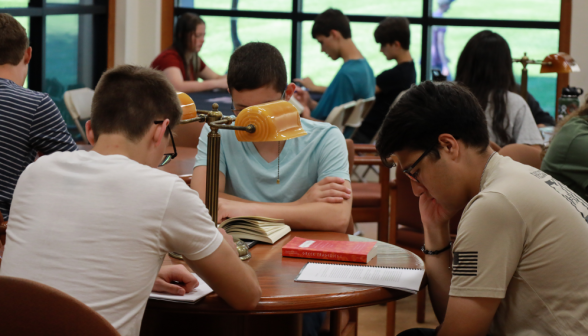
390	318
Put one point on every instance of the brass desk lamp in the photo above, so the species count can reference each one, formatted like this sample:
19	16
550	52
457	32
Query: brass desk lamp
274	121
558	63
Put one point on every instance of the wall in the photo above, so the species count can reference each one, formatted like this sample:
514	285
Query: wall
579	45
137	31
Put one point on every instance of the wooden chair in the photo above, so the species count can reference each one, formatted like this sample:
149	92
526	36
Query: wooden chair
525	154
188	135
31	308
371	201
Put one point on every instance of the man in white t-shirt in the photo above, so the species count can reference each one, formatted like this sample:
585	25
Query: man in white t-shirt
516	267
97	225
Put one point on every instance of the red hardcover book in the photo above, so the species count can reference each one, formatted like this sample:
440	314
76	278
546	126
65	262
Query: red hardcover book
330	250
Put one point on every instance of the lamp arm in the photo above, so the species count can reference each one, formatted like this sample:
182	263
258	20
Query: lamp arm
226	124
198	119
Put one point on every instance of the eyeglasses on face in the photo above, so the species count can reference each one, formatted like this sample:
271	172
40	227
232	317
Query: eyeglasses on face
169	156
408	170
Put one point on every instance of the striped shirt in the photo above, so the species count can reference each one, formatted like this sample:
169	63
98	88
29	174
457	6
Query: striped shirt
30	123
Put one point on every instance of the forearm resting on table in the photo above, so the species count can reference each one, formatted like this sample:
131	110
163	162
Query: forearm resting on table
316	216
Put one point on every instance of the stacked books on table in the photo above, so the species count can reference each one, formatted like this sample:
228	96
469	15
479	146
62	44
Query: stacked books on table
404	279
263	229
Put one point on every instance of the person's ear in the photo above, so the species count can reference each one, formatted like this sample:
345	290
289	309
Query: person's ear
336	34
90	133
159	132
397	44
449	146
289	91
28	55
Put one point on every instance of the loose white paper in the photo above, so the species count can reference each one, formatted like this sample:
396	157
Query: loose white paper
408	280
196	294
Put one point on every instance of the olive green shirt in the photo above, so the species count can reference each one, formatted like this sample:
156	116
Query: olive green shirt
567	157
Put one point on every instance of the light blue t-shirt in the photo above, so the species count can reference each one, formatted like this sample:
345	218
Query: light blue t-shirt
304	161
354	80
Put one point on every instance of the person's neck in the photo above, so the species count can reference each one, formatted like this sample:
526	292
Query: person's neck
404	57
349	51
10	72
118	144
269	150
475	166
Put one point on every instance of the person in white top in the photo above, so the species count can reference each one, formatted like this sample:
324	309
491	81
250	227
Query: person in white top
516	265
97	225
485	67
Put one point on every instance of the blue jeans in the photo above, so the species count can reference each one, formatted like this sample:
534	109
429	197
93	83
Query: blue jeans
312	322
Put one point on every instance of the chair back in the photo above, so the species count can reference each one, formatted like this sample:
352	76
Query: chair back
79	105
360	111
31	308
339	114
525	154
188	135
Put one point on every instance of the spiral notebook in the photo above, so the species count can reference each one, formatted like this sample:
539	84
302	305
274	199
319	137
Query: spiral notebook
404	279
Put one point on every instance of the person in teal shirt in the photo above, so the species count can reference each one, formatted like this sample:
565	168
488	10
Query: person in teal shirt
354	80
314	189
314	192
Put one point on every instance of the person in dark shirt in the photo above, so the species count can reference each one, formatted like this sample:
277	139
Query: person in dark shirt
394	36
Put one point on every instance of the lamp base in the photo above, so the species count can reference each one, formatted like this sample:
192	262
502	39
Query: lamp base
243	250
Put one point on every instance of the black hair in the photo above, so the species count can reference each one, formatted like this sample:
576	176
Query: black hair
185	27
428	110
331	19
485	67
255	65
393	29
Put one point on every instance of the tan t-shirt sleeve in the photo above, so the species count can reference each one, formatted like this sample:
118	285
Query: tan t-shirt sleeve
187	228
489	245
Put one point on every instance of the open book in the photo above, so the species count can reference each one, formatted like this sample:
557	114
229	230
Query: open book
263	229
196	294
404	279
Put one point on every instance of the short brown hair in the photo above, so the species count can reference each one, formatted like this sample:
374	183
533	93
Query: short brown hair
128	99
255	65
331	19
393	29
13	40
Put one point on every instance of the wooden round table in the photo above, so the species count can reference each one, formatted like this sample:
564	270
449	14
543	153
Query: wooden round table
283	300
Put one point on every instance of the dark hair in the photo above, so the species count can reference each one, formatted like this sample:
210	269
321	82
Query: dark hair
13	40
428	110
185	27
331	19
393	29
255	65
128	99
485	67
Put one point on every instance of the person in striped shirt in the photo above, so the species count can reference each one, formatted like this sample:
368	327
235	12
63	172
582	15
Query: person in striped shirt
30	123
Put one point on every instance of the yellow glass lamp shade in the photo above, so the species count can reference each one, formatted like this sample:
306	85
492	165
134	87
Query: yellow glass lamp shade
559	63
188	106
274	121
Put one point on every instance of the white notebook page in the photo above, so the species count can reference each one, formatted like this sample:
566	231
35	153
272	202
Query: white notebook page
197	293
397	278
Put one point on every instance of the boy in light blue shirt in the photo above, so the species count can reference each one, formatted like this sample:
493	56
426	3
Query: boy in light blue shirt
314	192
354	80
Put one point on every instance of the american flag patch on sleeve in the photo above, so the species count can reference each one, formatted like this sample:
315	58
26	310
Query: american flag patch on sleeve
465	263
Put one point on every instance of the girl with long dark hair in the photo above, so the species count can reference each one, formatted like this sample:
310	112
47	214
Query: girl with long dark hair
485	67
181	64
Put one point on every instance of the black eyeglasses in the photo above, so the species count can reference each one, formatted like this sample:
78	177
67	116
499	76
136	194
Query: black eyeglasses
407	170
168	157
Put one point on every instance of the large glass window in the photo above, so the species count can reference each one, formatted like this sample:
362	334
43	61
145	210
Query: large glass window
219	44
530	26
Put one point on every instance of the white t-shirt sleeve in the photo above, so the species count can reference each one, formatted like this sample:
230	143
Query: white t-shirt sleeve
489	244
525	130
187	228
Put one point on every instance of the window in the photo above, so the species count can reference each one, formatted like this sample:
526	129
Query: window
530	26
69	40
